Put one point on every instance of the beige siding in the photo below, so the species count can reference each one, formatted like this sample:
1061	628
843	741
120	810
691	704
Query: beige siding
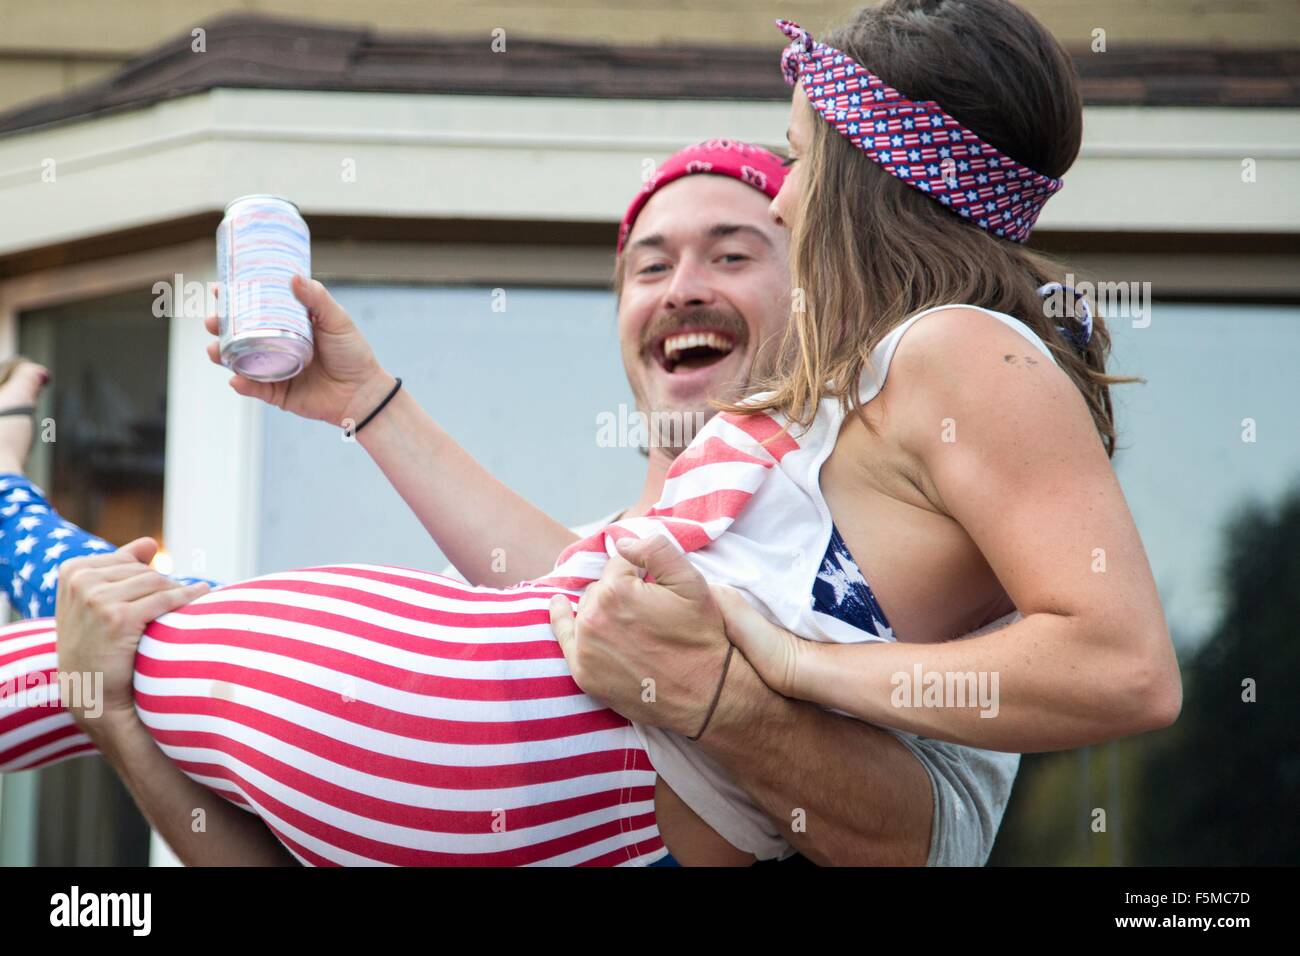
124	28
29	78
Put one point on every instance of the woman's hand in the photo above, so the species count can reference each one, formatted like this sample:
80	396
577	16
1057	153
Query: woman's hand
770	649
342	383
103	605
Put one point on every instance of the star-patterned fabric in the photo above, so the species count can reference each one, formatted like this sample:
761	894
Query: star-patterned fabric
842	592
34	540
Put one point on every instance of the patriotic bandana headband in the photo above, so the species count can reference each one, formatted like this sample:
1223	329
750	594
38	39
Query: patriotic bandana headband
752	165
918	143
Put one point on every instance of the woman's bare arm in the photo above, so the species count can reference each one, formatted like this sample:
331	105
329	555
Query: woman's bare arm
1028	480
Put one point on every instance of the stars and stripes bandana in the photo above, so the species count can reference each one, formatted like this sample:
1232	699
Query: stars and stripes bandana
752	165
917	142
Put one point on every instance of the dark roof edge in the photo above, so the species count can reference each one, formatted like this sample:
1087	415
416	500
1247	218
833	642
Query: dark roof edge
255	52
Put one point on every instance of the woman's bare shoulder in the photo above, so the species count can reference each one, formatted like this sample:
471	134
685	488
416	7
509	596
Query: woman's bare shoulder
967	366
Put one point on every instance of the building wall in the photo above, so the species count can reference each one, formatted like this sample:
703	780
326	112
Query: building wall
49	48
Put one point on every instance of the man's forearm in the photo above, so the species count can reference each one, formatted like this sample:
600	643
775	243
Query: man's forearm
844	792
491	534
202	828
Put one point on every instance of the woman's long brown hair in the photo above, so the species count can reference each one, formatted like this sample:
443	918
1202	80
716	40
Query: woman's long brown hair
869	251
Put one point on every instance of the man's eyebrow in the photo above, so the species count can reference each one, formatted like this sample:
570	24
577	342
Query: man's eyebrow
656	240
730	229
718	231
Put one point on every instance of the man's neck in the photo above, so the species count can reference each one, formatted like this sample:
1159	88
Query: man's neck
659	461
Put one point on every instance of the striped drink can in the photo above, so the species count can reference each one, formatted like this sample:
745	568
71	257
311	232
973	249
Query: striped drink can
262	242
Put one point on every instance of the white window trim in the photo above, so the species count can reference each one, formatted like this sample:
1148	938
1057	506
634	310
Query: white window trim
563	159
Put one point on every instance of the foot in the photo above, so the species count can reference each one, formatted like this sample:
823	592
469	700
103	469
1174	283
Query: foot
22	387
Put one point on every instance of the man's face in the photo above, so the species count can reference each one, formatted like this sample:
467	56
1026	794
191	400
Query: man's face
705	283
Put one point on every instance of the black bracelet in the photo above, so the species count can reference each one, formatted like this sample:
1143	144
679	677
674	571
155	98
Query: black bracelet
717	694
365	421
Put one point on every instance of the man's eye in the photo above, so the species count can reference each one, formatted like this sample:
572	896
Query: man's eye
653	267
739	257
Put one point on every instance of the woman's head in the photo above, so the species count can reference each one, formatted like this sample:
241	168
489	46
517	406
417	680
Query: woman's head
868	249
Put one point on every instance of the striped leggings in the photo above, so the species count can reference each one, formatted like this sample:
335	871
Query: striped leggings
367	714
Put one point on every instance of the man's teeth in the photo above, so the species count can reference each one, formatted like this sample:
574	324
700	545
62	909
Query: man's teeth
674	345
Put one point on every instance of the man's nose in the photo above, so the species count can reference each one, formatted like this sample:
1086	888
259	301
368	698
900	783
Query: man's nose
690	287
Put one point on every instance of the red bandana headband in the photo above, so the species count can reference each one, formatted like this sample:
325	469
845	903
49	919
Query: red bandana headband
918	143
752	165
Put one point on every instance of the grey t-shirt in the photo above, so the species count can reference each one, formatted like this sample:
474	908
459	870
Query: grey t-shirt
970	787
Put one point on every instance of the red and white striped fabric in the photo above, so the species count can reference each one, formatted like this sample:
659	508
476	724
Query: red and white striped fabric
383	715
707	486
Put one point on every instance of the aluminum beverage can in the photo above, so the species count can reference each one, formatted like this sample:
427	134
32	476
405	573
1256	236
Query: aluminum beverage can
265	331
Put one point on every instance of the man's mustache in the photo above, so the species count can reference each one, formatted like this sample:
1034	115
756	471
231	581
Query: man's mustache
666	324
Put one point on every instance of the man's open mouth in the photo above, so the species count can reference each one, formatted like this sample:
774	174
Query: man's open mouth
686	351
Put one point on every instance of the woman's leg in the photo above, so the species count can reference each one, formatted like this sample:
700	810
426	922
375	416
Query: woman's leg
34	540
371	715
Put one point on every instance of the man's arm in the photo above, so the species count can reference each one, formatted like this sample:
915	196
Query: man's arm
862	795
844	793
104	603
841	790
493	535
201	827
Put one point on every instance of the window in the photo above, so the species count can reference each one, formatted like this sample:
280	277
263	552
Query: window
1213	429
104	471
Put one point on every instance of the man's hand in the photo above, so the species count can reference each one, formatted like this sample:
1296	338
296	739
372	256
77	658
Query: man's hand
651	651
342	383
861	796
103	605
